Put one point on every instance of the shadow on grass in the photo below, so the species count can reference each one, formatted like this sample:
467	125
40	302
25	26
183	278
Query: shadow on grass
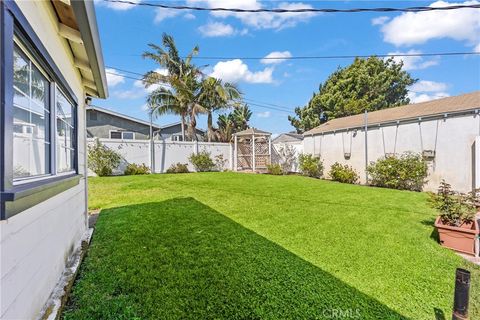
180	259
431	223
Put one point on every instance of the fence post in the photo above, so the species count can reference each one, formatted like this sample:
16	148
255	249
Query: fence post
235	155
462	288
231	156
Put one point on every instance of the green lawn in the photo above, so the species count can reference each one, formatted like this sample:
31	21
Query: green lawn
244	246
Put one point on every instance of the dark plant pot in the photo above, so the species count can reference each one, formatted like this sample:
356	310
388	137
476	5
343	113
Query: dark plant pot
461	239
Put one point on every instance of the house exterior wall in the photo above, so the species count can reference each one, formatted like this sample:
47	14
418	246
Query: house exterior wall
105	123
452	138
36	243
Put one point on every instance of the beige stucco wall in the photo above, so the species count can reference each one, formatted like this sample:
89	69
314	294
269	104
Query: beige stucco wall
36	243
454	160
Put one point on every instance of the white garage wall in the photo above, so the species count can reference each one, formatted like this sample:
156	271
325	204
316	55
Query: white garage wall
451	137
166	152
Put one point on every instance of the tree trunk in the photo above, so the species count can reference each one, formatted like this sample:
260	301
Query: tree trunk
183	127
210	126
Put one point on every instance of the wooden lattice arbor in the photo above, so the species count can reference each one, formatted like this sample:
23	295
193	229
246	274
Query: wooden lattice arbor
252	150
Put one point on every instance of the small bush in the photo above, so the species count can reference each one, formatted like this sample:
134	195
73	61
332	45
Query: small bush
134	169
220	162
102	160
202	161
343	173
407	172
274	169
178	168
310	166
455	208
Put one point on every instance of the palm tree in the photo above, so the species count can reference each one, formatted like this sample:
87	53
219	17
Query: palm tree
226	127
164	101
241	116
215	95
178	71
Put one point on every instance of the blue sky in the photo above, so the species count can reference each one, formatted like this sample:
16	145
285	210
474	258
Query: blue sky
126	30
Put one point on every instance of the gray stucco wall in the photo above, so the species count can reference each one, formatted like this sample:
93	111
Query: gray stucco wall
100	128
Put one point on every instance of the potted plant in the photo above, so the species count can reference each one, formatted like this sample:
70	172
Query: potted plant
456	224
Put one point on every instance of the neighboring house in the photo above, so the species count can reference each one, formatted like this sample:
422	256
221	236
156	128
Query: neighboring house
51	62
107	124
445	131
288	138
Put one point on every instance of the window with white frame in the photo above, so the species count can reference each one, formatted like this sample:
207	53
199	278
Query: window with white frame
65	138
124	135
31	118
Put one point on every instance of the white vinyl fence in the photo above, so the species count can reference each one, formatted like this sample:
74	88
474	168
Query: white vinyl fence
166	153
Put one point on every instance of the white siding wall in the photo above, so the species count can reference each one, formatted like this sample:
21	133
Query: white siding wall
454	144
36	243
166	152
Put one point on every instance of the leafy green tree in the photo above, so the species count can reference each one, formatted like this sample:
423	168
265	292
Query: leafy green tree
226	127
216	95
181	76
241	116
367	84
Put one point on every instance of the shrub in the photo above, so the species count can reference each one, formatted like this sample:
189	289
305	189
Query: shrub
202	161
101	159
220	162
134	169
310	166
178	168
275	169
455	208
407	172
343	173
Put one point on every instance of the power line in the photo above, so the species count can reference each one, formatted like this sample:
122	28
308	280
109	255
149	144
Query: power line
253	102
428	54
299	10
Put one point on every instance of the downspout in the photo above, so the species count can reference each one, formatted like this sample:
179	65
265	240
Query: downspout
87	103
366	146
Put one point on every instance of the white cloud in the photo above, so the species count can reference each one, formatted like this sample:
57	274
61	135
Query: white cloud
237	71
114	77
260	20
163	14
477	48
428	86
117	5
378	21
265	114
425	90
276	57
189	16
219	29
415	28
414	62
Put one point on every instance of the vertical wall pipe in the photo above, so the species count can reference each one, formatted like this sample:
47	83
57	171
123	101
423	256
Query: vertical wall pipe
366	146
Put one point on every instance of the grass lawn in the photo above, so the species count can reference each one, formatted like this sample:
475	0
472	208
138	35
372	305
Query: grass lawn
243	246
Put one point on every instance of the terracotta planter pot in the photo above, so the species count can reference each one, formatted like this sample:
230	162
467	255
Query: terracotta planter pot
461	239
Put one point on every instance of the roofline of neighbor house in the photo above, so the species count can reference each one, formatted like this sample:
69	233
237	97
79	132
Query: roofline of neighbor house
87	23
432	116
124	116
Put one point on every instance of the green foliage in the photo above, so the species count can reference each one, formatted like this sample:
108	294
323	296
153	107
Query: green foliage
275	169
248	246
178	168
102	160
407	172
455	208
202	161
235	121
310	166
367	84
134	169
343	173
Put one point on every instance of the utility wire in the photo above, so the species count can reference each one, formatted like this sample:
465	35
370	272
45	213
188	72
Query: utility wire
253	102
299	10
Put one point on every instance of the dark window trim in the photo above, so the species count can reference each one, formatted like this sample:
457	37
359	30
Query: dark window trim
15	198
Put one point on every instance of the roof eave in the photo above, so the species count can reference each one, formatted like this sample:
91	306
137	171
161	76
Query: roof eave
87	23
